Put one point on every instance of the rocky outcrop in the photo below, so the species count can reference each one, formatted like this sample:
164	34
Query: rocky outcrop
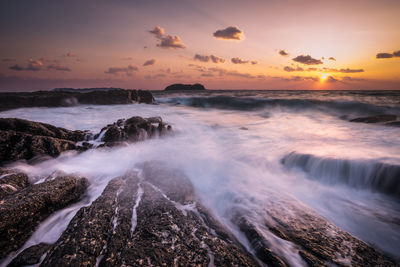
22	211
317	241
11	183
376	119
23	139
183	87
144	224
60	98
132	130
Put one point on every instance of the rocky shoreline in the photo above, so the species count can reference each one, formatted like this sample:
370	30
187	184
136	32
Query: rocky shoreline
151	215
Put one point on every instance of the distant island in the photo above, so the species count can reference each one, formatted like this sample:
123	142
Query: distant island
182	87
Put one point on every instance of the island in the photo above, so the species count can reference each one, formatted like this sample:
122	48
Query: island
185	87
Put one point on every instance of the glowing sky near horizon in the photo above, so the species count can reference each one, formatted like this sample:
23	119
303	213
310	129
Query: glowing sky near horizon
233	44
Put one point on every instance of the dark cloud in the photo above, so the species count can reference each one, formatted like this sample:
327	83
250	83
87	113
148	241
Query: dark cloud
33	65
212	58
149	62
230	33
347	70
167	41
58	67
128	71
384	55
301	79
156	76
388	55
307	60
254	62
283	52
332	58
351	79
207	75
237	60
331	79
291	69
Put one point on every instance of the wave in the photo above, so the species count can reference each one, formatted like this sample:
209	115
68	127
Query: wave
251	103
362	174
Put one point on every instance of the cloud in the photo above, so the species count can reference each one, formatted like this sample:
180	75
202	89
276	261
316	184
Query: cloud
347	70
332	58
69	55
388	55
254	62
126	58
158	31
167	41
331	79
301	79
291	69
307	60
351	79
149	62
237	60
230	33
212	58
283	53
156	76
207	75
58	67
128	71
33	65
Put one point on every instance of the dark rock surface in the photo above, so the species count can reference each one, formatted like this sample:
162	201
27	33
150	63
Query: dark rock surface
23	139
22	211
142	225
30	256
319	243
183	87
11	183
376	118
133	129
60	98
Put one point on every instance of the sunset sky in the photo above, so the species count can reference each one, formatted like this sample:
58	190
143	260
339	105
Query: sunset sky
149	44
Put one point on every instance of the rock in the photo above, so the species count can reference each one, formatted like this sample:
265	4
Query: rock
22	211
11	183
142	225
23	139
181	87
318	241
376	119
144	97
30	256
71	97
393	123
133	129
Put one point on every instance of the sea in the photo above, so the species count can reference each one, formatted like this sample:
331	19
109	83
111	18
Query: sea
238	146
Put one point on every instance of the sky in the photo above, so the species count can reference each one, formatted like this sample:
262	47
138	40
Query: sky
149	44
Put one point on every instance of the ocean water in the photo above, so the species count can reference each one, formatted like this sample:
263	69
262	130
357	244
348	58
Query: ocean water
238	146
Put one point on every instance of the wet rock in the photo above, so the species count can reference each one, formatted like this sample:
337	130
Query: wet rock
30	256
22	211
135	223
319	242
23	139
11	183
376	119
63	98
133	129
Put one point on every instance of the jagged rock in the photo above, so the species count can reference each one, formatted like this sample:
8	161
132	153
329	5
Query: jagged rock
30	256
376	119
133	129
23	139
181	87
141	225
22	211
318	241
62	98
11	183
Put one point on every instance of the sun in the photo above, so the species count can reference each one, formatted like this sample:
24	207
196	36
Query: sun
323	77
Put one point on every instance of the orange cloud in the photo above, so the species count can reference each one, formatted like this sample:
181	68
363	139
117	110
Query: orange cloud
229	33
